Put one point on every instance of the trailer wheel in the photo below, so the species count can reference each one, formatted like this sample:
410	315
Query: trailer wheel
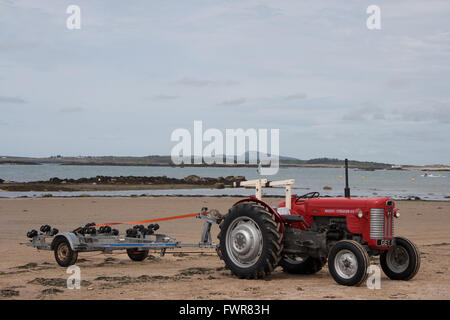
299	265
64	255
402	261
348	262
250	241
137	255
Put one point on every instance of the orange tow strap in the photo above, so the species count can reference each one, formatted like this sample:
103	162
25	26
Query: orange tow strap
150	220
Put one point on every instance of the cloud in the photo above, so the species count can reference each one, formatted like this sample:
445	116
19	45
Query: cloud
233	102
296	96
368	111
353	116
16	100
398	83
437	111
424	111
165	97
71	109
195	82
263	11
17	46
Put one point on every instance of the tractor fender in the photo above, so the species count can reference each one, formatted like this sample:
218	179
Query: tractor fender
267	206
69	236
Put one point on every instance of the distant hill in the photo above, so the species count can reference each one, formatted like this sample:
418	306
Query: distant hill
157	160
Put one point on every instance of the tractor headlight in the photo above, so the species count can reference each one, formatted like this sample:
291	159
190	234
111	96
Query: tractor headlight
360	214
397	213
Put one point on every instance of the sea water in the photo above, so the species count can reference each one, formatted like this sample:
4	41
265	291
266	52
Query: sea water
398	184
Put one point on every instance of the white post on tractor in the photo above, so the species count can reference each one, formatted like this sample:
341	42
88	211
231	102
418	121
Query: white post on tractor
258	184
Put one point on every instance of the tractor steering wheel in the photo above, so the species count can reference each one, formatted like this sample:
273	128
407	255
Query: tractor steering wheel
309	195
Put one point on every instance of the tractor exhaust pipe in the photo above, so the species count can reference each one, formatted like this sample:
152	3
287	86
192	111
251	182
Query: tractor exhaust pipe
347	189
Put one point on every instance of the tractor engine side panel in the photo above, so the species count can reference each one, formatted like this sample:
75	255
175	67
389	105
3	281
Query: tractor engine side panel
355	224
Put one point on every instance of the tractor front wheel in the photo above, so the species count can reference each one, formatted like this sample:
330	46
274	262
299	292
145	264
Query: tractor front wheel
348	262
402	261
299	265
250	241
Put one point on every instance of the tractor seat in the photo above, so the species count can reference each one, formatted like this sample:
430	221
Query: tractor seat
285	213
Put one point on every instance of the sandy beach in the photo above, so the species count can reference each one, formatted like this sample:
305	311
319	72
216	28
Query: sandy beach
26	273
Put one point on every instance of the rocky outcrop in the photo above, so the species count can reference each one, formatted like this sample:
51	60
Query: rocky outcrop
134	180
219	185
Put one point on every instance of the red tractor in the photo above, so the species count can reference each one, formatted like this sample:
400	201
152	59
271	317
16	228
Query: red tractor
305	232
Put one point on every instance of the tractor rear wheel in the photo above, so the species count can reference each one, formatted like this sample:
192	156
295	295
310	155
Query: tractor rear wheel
299	265
250	241
402	261
348	262
137	255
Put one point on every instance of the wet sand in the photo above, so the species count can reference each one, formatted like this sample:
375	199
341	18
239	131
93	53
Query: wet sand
26	273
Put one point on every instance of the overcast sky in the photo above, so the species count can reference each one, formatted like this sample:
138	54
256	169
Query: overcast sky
137	70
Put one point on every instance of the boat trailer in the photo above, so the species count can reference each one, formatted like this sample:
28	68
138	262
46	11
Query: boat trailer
137	240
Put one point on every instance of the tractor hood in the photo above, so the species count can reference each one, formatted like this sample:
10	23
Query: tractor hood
347	203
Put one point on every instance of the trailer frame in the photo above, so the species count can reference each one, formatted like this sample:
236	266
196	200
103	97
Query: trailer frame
107	243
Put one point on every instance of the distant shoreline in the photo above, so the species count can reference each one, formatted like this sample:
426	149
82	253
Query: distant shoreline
133	164
266	196
159	161
281	165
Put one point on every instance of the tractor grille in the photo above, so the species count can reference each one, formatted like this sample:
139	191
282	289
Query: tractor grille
380	226
376	223
392	225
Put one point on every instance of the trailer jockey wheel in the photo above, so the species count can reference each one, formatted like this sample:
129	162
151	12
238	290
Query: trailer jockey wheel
348	262
64	255
402	261
250	241
137	255
299	265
